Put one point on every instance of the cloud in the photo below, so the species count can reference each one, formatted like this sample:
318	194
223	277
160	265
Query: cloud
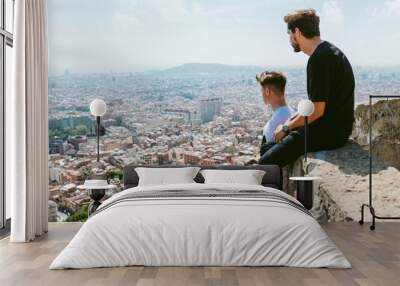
196	7
393	7
172	11
332	12
125	21
136	35
390	8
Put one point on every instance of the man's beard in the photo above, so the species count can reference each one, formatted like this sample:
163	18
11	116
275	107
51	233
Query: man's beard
296	47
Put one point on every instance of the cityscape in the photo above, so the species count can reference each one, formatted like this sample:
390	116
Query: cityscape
193	114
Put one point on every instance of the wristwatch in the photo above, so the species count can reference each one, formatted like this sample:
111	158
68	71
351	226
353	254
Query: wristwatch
285	129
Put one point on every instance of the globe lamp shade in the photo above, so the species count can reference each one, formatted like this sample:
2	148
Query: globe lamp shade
98	107
305	107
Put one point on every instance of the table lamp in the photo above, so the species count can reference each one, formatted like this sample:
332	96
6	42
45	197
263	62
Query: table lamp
305	192
305	108
98	108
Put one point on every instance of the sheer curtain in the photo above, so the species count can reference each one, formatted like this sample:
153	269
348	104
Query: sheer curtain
27	123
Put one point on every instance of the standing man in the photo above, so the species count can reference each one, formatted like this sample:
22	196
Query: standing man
330	86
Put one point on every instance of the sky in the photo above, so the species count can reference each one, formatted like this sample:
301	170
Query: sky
87	36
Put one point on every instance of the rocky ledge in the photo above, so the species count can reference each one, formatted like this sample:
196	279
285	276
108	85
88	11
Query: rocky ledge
345	182
345	172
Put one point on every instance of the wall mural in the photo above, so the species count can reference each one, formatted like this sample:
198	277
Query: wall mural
180	87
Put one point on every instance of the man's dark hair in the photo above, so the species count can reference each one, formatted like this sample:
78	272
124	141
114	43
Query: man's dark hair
307	21
274	79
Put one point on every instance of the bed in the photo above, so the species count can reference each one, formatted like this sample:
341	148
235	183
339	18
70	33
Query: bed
198	224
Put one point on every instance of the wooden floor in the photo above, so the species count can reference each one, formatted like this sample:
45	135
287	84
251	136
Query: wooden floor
375	257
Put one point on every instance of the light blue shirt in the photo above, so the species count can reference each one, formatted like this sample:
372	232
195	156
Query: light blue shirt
280	116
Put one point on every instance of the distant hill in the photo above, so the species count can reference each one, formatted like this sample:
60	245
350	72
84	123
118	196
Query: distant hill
211	68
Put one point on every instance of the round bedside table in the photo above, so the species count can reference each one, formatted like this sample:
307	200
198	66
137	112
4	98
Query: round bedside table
96	190
305	192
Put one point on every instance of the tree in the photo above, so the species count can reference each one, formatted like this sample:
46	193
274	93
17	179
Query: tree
82	129
116	173
79	215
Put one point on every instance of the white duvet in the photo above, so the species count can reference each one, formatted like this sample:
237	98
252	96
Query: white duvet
200	231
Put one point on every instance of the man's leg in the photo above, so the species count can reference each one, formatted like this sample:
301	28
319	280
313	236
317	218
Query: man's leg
287	151
265	147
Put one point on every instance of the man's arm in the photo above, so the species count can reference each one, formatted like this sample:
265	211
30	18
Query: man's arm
298	120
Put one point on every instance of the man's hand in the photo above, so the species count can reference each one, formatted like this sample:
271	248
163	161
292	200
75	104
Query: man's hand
278	134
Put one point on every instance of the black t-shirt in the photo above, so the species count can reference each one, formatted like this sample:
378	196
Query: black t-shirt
330	79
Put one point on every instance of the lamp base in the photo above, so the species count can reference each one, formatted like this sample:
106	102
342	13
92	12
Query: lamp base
305	190
305	193
96	196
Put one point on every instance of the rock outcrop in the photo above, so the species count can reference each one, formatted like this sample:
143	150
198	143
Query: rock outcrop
344	172
296	169
385	130
344	184
292	170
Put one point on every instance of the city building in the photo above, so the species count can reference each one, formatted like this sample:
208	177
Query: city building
209	108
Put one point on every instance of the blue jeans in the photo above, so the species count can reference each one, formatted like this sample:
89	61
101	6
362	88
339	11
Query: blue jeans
291	146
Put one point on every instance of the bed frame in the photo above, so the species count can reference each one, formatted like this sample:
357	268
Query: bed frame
273	174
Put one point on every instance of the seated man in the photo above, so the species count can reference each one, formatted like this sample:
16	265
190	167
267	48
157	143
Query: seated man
330	86
273	93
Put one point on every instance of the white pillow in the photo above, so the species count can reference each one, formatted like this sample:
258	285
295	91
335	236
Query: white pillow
248	177
165	176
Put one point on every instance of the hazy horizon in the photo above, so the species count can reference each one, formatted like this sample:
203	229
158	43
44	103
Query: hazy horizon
277	67
124	36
